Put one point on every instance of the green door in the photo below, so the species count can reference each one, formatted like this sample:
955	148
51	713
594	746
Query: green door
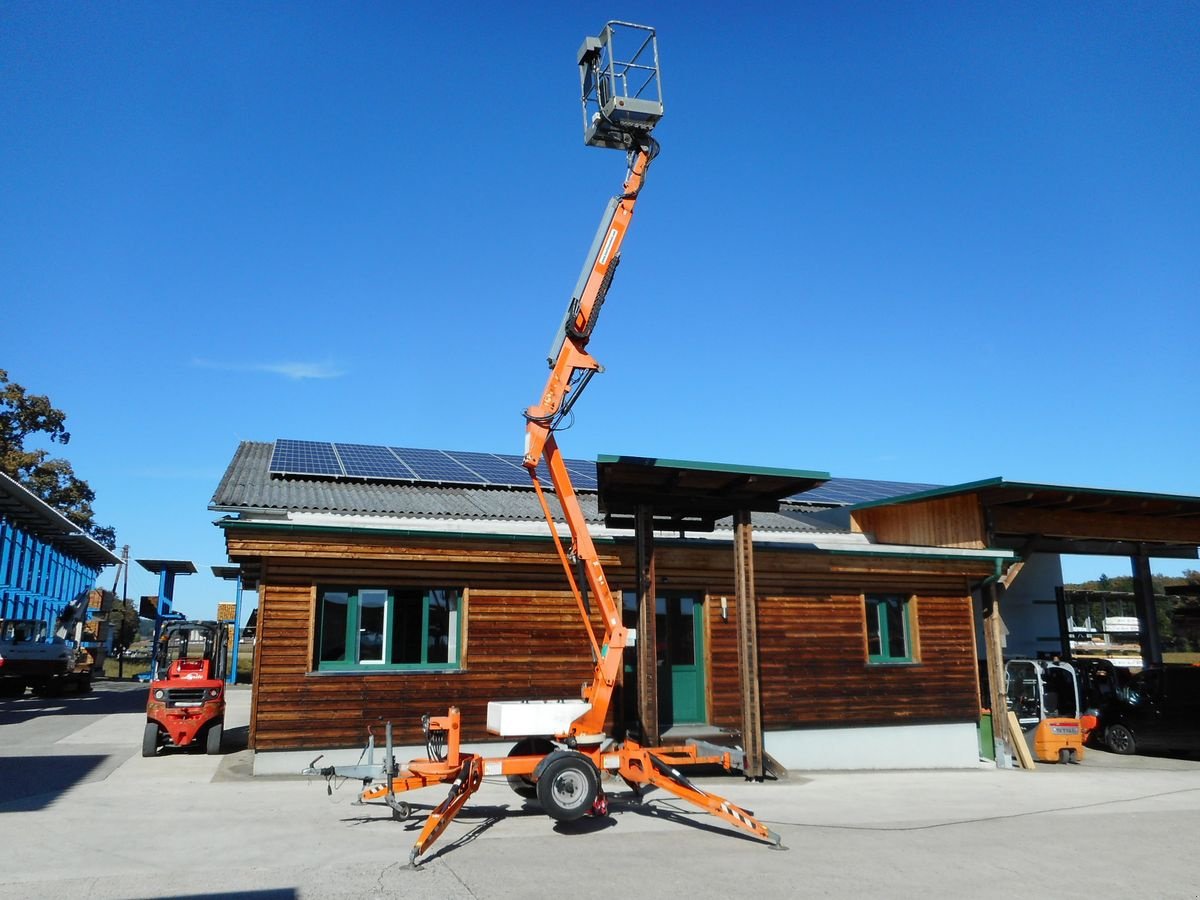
682	647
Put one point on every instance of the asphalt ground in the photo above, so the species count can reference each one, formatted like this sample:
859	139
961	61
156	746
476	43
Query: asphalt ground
82	814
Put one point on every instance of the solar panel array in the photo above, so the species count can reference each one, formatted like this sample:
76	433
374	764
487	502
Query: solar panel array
456	467
849	491
375	463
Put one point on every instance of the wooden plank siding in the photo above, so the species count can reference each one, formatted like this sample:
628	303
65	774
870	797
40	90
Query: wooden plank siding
523	638
814	669
941	522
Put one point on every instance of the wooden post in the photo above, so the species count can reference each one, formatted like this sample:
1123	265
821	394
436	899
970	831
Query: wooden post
647	641
747	634
993	632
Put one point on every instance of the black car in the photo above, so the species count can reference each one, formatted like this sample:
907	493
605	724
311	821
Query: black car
1159	709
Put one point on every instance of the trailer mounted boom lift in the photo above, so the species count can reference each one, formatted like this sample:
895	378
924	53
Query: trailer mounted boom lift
622	102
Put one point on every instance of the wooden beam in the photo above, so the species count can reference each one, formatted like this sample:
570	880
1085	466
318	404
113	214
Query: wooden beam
1017	739
1011	575
647	642
747	641
1095	526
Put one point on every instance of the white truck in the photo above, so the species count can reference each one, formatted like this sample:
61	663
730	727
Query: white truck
33	658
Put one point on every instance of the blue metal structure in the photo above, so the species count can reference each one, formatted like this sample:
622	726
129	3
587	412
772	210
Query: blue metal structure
233	573
166	570
46	560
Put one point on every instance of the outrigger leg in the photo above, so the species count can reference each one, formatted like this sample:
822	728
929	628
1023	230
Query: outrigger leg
640	766
469	778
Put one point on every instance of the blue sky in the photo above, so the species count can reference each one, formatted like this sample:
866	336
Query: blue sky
923	242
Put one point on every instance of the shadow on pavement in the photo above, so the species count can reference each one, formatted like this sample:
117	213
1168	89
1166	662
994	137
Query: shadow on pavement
104	699
29	783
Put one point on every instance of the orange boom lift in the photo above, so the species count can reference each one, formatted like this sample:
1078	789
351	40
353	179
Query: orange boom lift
622	102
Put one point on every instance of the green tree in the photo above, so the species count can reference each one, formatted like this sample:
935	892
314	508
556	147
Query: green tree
124	621
24	416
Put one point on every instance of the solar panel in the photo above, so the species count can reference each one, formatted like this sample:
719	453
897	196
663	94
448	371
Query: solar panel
305	458
378	463
435	465
583	473
491	468
849	491
365	461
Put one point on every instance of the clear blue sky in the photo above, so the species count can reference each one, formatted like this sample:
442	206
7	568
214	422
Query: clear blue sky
927	242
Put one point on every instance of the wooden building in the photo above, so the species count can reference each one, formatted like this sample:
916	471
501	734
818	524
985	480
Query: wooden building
386	599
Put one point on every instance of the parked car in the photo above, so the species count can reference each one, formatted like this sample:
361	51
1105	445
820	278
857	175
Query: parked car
1159	709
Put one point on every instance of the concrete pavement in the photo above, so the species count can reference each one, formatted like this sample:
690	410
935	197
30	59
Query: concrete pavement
111	824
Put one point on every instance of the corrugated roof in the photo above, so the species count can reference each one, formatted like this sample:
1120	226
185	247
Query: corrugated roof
248	486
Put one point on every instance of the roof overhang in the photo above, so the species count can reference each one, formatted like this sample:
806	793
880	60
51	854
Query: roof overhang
32	514
691	496
171	566
1049	518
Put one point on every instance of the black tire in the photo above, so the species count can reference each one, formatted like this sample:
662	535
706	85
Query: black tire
1119	739
150	739
212	742
567	786
523	785
12	689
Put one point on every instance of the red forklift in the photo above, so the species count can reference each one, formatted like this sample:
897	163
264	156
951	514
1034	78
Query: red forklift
186	705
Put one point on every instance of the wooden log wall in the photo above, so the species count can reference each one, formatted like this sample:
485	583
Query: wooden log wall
523	638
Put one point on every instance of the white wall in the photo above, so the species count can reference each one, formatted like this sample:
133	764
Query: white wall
947	746
1029	610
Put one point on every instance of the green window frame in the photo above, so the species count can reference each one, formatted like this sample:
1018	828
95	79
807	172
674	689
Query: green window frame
380	629
889	629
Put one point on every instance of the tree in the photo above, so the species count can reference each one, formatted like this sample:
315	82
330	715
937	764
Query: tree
23	416
124	621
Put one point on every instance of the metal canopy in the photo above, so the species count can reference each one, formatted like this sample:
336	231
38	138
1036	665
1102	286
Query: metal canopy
29	512
170	566
692	496
1056	518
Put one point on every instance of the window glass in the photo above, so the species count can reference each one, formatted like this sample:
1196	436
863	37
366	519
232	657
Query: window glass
334	617
874	644
437	644
372	621
378	627
894	610
888	628
408	628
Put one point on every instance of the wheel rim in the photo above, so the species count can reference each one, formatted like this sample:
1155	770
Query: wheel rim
1119	739
569	788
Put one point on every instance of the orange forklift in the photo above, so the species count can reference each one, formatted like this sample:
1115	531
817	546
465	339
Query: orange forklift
562	750
186	704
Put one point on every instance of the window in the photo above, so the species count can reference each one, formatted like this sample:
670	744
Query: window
382	628
889	629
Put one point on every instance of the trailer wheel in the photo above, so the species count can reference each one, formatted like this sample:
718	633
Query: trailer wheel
212	744
523	785
1120	740
567	786
150	739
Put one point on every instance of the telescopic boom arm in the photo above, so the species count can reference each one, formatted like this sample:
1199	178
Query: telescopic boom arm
571	369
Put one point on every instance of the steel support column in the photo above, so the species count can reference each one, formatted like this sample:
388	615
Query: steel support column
1147	611
647	639
747	634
